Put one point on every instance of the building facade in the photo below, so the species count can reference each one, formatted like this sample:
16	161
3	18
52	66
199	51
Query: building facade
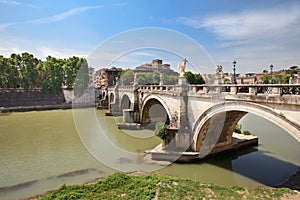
158	65
107	76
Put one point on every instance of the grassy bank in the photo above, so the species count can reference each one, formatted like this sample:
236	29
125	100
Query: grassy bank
153	186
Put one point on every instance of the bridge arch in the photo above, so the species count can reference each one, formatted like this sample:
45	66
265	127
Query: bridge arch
154	109
230	112
125	102
111	97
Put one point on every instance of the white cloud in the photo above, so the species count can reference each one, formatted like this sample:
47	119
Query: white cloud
16	3
256	38
43	52
41	49
5	25
64	15
54	18
258	24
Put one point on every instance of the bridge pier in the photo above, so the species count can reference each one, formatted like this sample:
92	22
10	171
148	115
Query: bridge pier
181	133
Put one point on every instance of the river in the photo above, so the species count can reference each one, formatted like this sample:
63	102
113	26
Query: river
40	151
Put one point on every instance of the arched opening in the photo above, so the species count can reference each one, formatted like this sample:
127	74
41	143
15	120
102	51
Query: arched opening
153	112
217	130
125	102
219	121
111	97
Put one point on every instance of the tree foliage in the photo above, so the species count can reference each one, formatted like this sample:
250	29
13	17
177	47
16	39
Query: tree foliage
194	78
147	78
127	77
278	78
161	130
170	80
238	128
26	71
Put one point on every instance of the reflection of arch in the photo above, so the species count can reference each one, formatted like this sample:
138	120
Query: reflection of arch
125	102
231	113
111	97
153	111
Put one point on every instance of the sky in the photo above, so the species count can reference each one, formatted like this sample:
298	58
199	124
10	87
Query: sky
255	33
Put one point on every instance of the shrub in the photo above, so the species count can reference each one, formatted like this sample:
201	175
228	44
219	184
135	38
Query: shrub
238	128
247	133
161	130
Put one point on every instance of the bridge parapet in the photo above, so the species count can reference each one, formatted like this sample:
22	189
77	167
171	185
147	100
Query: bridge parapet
160	89
253	89
267	93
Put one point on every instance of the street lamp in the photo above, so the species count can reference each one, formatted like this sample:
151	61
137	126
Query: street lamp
271	68
234	76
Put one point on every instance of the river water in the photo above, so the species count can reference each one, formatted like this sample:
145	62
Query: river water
40	151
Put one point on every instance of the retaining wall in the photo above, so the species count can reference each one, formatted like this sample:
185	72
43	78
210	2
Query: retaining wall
31	97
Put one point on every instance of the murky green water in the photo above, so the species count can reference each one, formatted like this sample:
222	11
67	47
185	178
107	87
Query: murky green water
40	151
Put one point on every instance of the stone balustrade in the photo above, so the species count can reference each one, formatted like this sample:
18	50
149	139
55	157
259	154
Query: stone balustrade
252	89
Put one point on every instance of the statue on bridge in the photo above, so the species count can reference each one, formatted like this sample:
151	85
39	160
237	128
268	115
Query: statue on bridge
181	67
219	72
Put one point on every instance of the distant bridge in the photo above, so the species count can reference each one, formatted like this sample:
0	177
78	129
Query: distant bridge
197	111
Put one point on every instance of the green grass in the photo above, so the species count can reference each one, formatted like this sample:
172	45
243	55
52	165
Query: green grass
122	186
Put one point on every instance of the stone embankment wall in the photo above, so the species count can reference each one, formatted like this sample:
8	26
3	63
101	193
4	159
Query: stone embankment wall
25	98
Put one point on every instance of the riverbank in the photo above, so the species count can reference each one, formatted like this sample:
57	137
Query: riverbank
154	186
34	108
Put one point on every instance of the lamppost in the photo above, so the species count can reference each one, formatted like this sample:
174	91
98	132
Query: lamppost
271	68
234	76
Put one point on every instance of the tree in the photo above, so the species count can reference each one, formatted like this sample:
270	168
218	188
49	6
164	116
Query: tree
194	78
4	63
28	69
13	71
53	79
127	77
265	78
170	80
71	67
277	79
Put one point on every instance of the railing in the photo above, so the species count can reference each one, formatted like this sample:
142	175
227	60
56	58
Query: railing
159	88
253	89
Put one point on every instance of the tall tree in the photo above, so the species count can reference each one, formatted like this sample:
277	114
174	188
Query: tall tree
53	75
71	68
28	69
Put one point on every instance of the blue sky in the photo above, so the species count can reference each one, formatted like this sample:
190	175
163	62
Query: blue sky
255	33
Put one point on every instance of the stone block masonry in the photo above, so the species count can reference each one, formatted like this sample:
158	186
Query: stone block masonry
30	97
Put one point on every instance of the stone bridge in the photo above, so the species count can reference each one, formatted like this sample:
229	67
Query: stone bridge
204	116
